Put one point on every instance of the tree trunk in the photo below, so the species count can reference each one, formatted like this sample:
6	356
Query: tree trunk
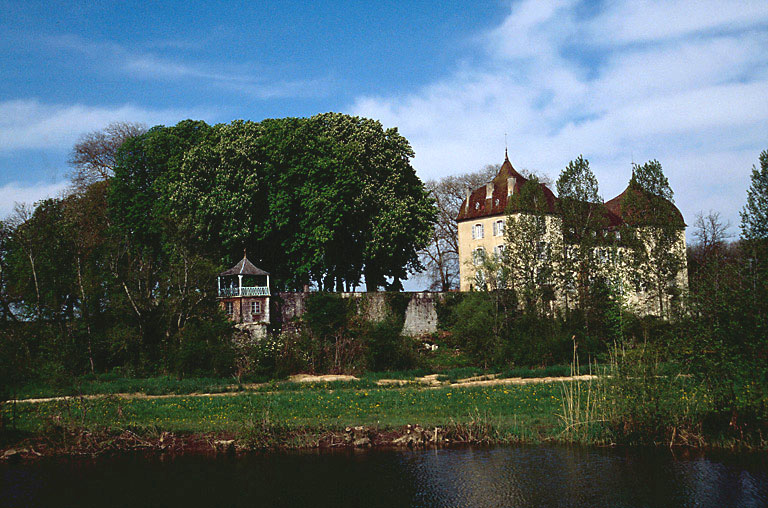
84	309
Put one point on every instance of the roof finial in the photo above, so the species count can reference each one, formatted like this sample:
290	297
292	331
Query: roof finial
506	155
244	253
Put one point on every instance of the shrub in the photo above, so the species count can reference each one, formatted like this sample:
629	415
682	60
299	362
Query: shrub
387	349
205	347
474	323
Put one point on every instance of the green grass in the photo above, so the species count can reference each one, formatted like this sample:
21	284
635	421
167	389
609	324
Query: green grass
168	385
631	410
531	407
107	383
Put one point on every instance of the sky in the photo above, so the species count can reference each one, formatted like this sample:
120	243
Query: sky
683	82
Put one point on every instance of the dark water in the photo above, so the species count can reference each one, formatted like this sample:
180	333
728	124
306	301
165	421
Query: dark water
517	476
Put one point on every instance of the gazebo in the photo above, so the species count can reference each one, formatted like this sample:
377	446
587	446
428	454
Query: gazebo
244	292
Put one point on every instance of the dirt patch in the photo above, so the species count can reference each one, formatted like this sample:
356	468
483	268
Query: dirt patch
327	378
521	380
430	380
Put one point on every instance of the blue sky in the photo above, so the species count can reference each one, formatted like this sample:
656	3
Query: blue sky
685	82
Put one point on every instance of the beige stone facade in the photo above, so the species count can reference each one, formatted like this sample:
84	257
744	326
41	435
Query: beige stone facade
481	224
490	241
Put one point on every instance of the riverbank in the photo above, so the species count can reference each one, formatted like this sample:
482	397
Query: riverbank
342	414
307	416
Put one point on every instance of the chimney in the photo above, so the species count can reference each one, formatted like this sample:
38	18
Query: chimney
469	193
511	185
489	190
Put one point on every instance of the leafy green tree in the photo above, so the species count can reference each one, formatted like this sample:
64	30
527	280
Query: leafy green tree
754	252
147	240
754	215
654	231
582	226
481	323
531	247
330	199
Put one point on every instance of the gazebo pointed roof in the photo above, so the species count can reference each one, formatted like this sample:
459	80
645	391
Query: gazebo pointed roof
244	267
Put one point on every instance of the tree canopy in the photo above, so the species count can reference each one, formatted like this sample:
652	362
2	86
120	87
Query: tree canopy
329	200
754	215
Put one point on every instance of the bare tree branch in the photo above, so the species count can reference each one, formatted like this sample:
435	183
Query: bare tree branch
93	156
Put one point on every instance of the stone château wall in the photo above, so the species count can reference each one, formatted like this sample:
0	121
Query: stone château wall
420	314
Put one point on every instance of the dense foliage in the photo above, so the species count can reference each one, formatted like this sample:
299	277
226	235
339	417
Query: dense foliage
120	273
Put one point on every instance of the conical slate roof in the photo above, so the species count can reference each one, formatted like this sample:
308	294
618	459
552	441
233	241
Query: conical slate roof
244	267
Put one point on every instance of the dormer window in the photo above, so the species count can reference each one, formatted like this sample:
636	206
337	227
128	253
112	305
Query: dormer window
496	203
477	231
477	205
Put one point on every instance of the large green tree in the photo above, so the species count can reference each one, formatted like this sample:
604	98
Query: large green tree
754	215
583	223
329	200
531	247
754	242
654	229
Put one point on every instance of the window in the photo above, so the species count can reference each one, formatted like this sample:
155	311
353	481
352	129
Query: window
229	308
618	236
542	251
478	255
477	231
498	251
498	228
255	307
496	203
477	205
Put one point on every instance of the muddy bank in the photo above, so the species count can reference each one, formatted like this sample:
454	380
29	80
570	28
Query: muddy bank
98	442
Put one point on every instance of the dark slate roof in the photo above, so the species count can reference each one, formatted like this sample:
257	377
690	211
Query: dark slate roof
497	205
244	267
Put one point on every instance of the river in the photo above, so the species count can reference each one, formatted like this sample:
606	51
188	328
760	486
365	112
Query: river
461	477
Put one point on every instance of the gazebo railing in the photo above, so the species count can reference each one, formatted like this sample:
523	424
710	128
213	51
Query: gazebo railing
246	291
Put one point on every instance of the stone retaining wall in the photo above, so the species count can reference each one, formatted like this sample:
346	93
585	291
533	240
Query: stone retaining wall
420	314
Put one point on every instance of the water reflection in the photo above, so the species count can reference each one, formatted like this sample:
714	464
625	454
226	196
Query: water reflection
519	476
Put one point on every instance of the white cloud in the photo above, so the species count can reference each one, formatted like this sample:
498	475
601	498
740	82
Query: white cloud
683	82
14	192
246	79
30	124
643	20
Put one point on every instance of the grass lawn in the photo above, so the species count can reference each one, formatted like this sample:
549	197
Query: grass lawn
164	385
528	411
